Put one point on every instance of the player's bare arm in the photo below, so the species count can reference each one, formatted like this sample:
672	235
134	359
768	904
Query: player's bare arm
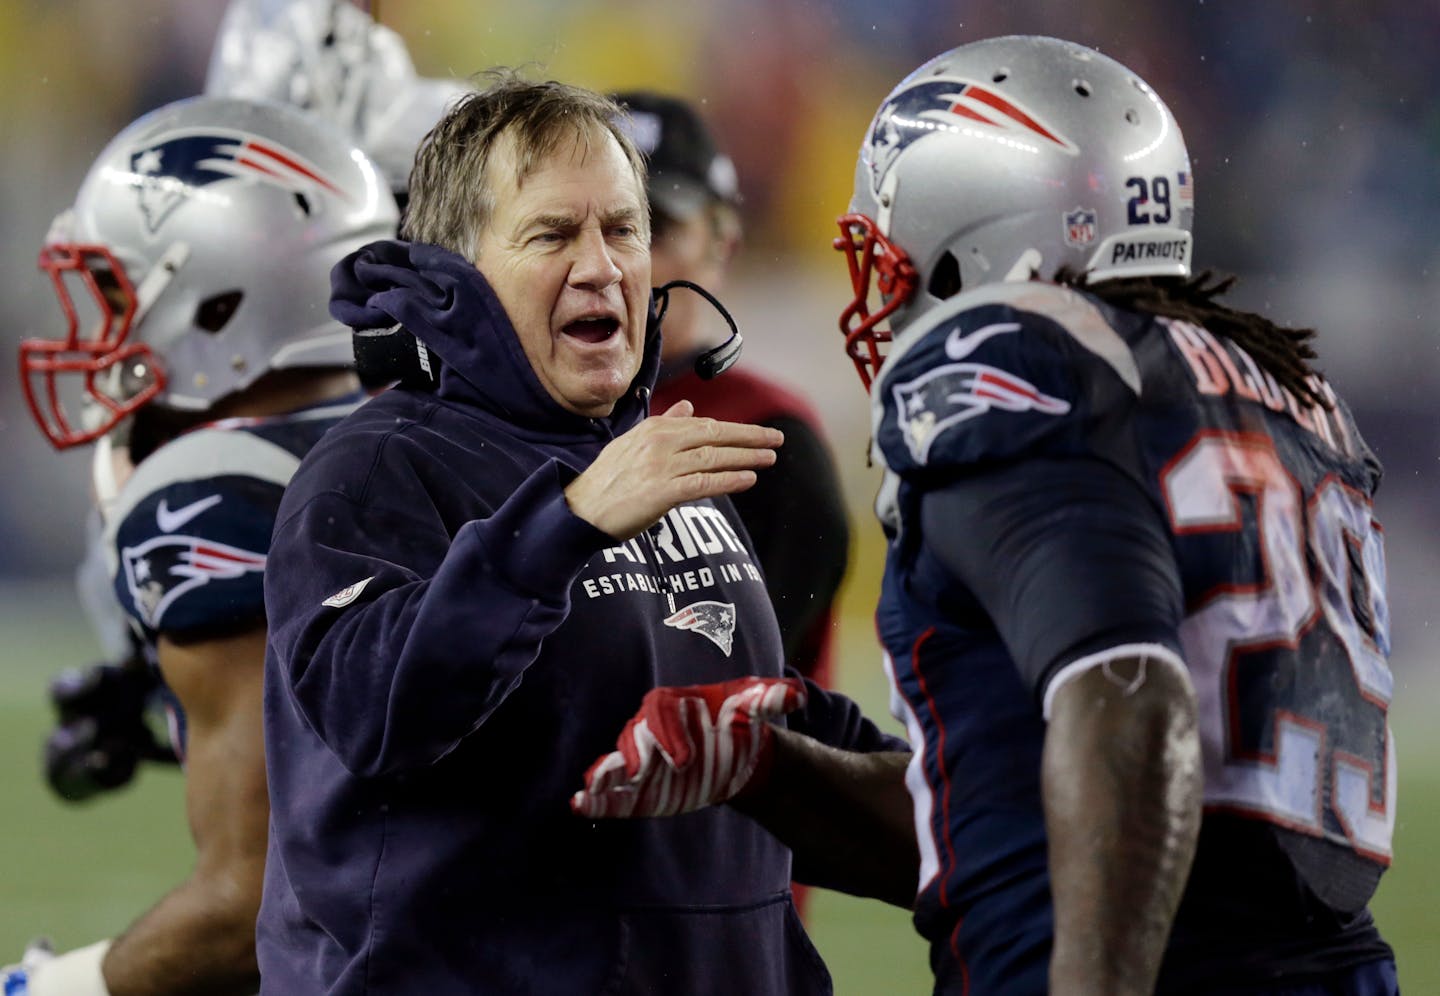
1122	788
200	937
846	816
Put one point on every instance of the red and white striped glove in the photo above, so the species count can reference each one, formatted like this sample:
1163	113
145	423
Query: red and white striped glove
688	748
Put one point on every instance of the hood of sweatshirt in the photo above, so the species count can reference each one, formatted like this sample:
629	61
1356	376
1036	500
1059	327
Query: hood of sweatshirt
445	302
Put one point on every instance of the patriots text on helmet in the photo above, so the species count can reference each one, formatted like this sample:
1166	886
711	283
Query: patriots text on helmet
1138	251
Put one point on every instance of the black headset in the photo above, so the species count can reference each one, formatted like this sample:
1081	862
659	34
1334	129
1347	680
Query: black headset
393	355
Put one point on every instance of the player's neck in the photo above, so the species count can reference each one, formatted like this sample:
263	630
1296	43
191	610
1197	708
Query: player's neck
287	391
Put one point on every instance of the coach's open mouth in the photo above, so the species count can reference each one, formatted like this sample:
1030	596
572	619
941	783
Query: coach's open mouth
592	329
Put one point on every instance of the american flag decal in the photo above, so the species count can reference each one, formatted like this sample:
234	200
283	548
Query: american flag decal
1185	185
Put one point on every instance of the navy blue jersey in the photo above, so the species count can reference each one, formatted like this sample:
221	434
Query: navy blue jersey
186	538
1068	482
451	648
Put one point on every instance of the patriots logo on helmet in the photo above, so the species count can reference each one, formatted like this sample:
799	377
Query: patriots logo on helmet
169	172
162	569
713	620
955	106
956	392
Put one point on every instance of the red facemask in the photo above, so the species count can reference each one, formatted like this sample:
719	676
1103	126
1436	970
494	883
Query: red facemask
117	376
870	254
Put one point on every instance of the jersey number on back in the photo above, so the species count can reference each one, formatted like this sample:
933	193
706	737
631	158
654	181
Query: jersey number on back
1279	725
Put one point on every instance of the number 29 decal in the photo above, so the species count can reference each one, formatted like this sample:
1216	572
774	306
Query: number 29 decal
1140	209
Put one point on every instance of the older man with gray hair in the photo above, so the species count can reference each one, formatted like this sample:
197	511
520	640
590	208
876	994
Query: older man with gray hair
475	580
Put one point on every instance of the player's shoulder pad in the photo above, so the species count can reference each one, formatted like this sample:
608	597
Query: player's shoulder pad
1001	371
188	536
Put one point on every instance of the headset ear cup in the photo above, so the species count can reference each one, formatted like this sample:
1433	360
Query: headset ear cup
393	355
713	362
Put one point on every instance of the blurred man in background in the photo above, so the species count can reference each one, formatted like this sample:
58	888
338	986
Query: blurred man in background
795	513
331	58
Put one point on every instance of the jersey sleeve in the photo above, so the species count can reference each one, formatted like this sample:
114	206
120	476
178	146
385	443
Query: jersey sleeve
189	537
1007	371
1068	557
836	720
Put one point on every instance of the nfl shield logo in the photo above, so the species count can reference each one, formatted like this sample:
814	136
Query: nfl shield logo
1079	227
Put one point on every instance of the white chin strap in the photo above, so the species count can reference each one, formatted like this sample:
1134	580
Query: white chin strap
103	479
885	201
1026	265
159	278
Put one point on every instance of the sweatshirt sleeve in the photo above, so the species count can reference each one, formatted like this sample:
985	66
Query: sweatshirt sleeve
837	721
393	641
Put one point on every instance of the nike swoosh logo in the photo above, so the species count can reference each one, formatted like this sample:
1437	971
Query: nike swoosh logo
958	346
169	520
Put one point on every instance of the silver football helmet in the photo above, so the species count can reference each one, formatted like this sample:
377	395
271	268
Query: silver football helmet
1003	159
196	259
333	59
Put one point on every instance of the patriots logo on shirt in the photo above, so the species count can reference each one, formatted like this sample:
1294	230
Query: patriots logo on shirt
939	105
956	392
713	620
169	172
160	570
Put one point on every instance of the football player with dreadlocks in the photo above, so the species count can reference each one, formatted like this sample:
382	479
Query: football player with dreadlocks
1134	603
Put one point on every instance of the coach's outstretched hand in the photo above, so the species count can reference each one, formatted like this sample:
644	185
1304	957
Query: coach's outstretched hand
666	460
688	748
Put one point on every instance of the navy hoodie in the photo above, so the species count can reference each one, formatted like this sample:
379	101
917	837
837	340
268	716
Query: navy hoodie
450	648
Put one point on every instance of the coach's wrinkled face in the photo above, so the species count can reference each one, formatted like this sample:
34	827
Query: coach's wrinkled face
567	251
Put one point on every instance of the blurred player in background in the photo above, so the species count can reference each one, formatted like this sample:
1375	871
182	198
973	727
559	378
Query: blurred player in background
795	513
333	60
1133	570
200	361
330	58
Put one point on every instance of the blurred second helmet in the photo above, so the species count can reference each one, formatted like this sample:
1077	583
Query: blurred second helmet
196	259
331	58
1003	159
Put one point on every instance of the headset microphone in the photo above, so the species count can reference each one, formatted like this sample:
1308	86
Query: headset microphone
716	360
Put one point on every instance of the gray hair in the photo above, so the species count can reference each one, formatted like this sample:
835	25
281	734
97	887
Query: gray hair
451	192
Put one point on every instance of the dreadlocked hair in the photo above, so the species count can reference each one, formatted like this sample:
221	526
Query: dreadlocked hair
1284	353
